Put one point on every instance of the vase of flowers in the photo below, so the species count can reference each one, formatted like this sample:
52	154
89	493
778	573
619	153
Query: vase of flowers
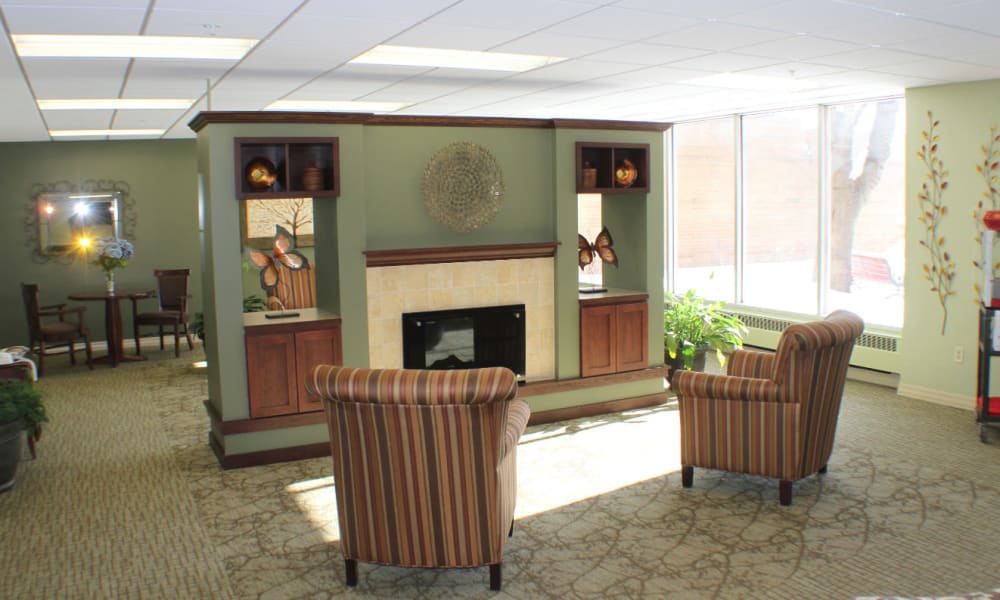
112	253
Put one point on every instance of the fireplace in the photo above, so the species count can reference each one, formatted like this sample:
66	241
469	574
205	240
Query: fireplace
464	338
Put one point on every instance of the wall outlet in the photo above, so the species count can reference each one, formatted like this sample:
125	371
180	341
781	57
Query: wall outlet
959	354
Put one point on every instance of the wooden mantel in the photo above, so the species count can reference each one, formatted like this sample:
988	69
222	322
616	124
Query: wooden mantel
451	254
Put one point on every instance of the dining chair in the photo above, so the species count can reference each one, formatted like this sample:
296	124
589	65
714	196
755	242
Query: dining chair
45	335
172	295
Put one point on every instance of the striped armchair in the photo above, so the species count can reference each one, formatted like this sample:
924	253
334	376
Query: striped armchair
772	414
424	464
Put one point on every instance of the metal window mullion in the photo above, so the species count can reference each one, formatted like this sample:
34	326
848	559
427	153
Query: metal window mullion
670	213
739	229
823	222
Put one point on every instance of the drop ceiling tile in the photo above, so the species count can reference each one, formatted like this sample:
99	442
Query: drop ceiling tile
574	70
239	24
866	58
804	16
554	44
75	78
722	62
146	119
794	70
406	10
23	19
623	24
78	119
513	15
943	70
647	54
718	36
965	46
440	35
883	29
704	9
799	47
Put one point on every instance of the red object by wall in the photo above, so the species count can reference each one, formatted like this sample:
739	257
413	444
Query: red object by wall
992	219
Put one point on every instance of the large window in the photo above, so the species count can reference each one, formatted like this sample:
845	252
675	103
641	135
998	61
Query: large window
798	211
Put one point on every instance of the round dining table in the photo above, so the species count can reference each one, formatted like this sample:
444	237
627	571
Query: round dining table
113	322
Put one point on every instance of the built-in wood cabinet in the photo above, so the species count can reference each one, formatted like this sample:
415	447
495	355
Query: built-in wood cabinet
607	168
287	167
613	332
280	355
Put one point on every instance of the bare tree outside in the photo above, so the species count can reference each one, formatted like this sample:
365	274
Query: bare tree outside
858	157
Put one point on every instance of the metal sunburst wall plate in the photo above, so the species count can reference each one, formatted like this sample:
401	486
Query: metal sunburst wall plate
463	186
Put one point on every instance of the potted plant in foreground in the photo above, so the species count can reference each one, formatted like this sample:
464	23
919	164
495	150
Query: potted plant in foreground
21	409
692	326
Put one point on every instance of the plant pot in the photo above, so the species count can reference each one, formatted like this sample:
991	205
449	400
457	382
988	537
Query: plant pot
677	364
11	438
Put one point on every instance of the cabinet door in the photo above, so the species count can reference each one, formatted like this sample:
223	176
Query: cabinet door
319	347
632	333
597	340
271	382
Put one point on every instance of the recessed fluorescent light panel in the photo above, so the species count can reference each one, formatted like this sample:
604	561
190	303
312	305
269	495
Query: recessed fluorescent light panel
115	103
337	105
105	132
413	56
132	46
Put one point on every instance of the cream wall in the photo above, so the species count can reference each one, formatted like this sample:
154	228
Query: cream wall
965	113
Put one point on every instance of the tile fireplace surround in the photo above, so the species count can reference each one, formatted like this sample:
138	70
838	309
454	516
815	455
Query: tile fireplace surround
398	289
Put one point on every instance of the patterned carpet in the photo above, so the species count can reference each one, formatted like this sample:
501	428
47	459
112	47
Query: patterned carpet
126	500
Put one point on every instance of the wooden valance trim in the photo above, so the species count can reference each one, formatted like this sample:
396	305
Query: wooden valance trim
451	254
332	118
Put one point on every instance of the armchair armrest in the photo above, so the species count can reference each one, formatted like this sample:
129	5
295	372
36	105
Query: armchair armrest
692	384
53	306
751	363
62	312
517	420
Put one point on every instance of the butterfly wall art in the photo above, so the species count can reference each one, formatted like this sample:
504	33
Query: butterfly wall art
602	248
284	254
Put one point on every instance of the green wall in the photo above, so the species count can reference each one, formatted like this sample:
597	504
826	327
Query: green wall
162	179
965	113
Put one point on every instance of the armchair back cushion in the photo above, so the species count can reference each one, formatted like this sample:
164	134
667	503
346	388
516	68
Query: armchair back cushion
424	462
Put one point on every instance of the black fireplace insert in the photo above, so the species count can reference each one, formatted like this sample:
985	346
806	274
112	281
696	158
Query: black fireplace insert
465	338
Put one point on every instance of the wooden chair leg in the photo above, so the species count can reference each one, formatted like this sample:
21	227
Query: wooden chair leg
785	492
138	345
687	476
161	336
72	354
177	340
187	334
86	346
351	571
496	574
41	358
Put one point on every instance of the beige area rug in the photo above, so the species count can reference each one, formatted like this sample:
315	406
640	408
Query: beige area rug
127	500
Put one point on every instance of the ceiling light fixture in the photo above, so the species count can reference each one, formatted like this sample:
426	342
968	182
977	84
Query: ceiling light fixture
105	132
114	103
132	46
337	105
414	56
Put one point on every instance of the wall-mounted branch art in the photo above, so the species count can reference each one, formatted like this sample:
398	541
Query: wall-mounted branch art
940	272
988	169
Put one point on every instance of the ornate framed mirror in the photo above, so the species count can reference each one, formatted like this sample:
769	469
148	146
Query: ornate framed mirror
63	214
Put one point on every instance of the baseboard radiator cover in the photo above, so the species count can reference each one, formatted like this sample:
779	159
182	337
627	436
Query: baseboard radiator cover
873	350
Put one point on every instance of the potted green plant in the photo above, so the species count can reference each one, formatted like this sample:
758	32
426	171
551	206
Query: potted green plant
21	409
692	326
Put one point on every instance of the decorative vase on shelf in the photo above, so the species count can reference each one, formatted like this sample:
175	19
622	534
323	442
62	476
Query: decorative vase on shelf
111	283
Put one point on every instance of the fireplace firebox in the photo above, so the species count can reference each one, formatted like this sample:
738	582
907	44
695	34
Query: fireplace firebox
465	338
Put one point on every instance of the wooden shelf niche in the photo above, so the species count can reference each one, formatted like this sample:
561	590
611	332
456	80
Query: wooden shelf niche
302	167
597	162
